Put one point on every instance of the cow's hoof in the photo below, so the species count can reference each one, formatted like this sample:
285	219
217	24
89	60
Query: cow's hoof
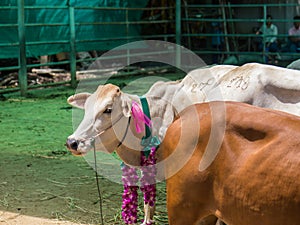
151	222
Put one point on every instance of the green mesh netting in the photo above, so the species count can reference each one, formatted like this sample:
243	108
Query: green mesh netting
44	13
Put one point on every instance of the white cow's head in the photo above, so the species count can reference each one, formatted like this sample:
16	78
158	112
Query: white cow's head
105	109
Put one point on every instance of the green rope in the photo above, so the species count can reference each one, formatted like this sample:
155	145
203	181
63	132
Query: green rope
148	140
146	111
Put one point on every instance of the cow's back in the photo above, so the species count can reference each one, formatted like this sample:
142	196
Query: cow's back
262	150
255	175
261	85
197	83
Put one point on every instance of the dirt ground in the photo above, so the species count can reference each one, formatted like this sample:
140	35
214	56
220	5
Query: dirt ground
17	218
40	179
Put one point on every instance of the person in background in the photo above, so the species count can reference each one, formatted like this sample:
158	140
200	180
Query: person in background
294	35
270	31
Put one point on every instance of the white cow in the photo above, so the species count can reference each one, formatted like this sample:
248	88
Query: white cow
107	109
262	85
109	98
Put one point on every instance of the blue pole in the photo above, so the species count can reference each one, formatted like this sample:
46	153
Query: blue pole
264	55
22	75
178	33
72	47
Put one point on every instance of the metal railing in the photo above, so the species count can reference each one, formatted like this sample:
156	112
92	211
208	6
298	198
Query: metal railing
225	16
178	27
22	44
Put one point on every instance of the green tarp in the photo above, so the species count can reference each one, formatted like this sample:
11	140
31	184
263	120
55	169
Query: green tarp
47	22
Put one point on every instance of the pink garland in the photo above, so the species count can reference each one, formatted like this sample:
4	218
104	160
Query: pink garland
149	170
130	177
130	195
148	187
140	119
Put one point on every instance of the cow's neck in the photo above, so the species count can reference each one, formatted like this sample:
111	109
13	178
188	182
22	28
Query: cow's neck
162	114
130	149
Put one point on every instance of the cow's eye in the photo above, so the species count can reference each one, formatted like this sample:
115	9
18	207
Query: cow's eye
108	110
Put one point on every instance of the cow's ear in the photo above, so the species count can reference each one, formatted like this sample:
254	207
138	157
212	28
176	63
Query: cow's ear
78	100
126	105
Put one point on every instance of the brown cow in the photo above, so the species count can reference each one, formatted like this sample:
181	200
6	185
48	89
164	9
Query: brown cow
255	177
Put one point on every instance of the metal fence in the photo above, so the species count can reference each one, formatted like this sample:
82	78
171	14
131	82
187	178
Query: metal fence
183	24
238	24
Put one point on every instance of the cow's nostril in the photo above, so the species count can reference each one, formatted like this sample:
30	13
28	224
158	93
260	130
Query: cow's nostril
72	144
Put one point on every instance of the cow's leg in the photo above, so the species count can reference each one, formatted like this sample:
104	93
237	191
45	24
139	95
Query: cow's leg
149	211
190	220
210	220
189	204
183	213
219	222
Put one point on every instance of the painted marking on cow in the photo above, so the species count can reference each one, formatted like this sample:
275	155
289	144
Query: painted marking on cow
202	85
239	82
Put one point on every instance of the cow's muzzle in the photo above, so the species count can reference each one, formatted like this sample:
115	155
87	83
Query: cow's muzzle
72	144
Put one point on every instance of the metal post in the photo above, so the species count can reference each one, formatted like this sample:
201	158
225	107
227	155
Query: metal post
22	76
127	38
187	24
225	26
235	43
178	33
72	47
264	55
